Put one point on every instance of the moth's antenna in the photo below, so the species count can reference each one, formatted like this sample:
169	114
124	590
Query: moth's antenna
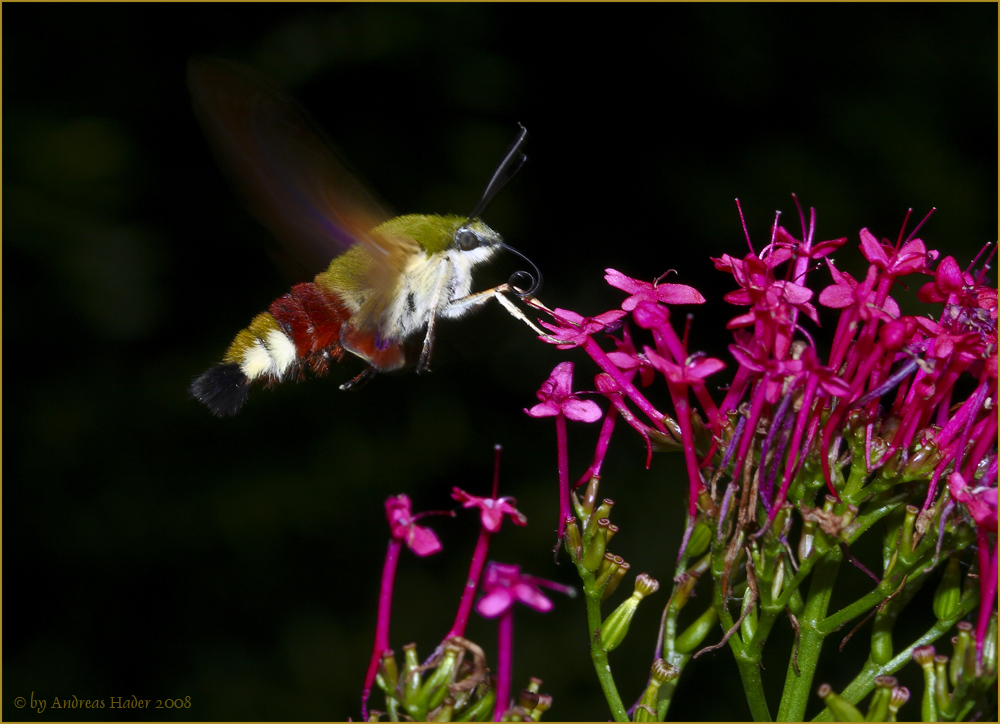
510	165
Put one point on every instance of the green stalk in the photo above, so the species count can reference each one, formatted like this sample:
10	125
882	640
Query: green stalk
799	684
864	682
597	653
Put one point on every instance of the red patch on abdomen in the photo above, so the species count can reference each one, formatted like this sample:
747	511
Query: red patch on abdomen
312	318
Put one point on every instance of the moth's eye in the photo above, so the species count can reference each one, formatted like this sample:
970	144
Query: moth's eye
466	239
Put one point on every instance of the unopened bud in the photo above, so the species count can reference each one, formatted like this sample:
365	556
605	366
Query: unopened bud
411	670
615	626
590	495
527	699
571	537
842	709
701	536
543	705
615	578
445	712
596	549
608	566
900	695
964	657
878	709
602	511
388	669
660	673
941	693
949	592
924	655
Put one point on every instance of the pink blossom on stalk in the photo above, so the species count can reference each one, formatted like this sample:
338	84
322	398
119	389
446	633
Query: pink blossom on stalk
423	542
491	510
981	502
679	377
651	292
912	257
491	514
504	585
558	400
403	525
573	330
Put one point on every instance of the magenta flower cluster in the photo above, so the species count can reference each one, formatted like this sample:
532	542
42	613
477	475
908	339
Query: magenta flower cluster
886	403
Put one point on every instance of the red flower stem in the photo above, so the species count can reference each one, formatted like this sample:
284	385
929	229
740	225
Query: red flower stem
505	657
382	622
471	584
604	362
562	451
679	395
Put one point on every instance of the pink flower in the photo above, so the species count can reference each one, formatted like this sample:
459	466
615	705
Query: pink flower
574	330
402	523
504	585
492	510
980	502
647	292
557	398
911	258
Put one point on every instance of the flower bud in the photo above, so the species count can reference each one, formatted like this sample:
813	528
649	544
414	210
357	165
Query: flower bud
616	625
878	709
598	543
482	708
435	689
612	529
909	542
924	655
543	705
949	592
602	511
941	693
701	536
445	712
572	539
607	568
660	673
964	656
696	633
388	670
806	540
900	695
411	671
842	709
590	495
527	700
615	578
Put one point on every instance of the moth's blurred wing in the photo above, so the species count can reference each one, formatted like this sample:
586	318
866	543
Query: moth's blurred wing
289	175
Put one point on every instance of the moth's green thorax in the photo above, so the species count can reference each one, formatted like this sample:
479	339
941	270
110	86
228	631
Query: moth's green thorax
427	266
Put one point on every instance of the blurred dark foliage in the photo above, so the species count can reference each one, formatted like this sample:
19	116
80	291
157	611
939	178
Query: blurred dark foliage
153	550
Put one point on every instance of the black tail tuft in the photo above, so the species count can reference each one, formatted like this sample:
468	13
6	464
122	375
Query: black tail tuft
223	389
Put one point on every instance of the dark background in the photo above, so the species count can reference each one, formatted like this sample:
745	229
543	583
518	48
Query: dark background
153	550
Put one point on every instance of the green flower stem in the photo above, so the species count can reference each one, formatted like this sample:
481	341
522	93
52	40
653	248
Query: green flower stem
753	685
864	682
799	683
597	653
747	656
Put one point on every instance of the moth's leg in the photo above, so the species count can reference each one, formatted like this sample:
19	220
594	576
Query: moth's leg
476	299
423	364
360	380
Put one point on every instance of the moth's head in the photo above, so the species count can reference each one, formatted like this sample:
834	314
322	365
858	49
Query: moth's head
476	241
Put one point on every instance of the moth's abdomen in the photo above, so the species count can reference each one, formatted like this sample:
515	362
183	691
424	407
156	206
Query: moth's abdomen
301	330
